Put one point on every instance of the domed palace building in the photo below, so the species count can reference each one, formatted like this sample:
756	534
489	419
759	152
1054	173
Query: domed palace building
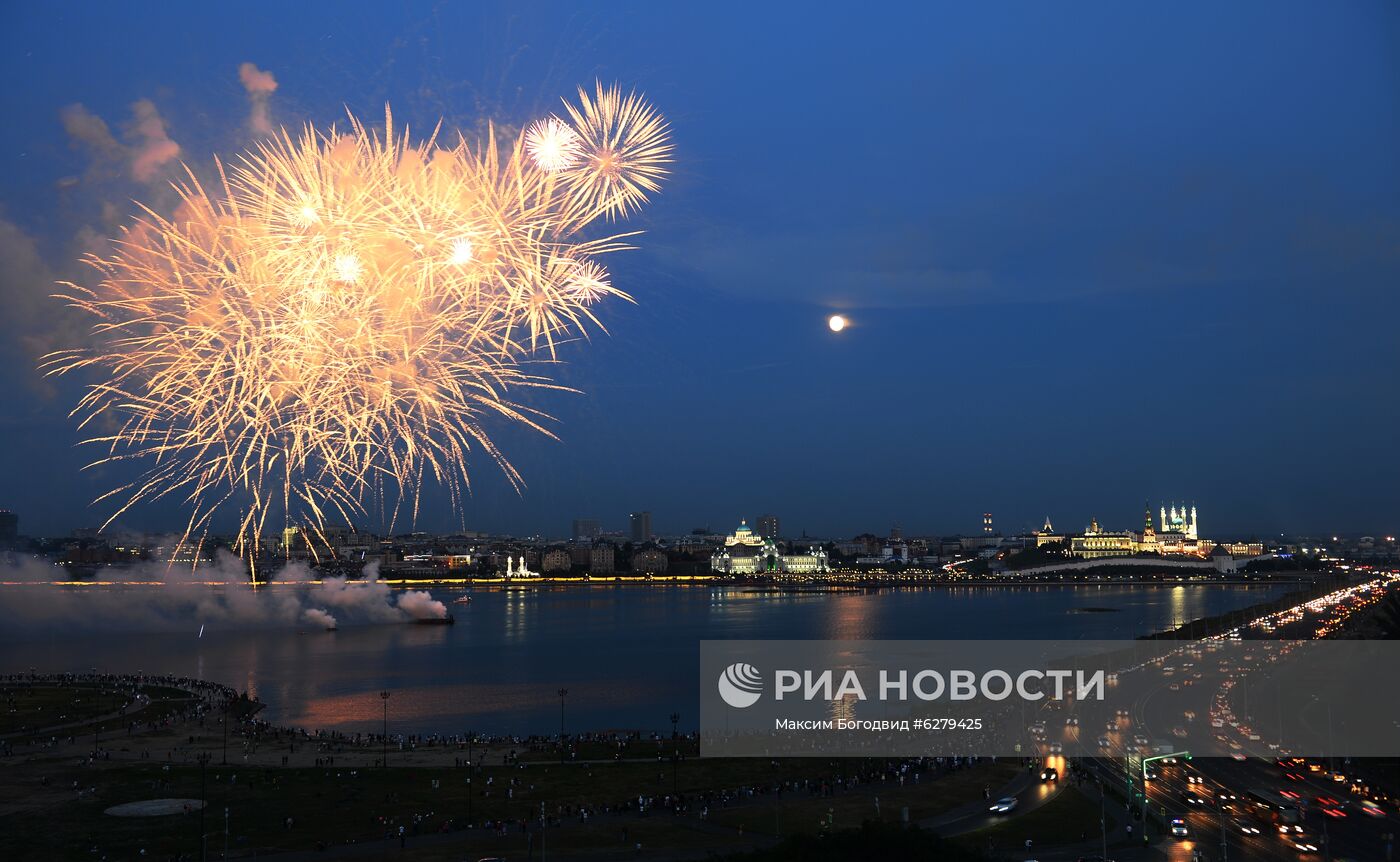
747	553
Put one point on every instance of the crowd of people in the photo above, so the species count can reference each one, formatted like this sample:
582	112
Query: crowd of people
200	715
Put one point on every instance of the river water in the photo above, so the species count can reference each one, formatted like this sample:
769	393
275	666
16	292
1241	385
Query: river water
627	655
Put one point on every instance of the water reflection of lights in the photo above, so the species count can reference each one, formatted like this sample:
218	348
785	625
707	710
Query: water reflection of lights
516	619
848	618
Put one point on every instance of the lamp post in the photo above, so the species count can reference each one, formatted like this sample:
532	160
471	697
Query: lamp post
470	734
224	760
384	761
675	754
563	693
203	804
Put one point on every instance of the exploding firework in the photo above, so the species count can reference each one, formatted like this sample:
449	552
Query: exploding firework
330	324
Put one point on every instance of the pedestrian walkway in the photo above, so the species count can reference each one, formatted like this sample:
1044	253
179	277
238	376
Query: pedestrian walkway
142	702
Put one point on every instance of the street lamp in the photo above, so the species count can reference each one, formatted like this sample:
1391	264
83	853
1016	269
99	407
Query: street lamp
224	761
384	696
563	693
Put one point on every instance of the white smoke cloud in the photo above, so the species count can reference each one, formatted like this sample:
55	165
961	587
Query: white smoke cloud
368	599
35	596
260	85
149	150
153	147
32	322
319	618
419	605
89	132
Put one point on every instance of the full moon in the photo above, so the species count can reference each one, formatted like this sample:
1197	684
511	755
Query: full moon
836	322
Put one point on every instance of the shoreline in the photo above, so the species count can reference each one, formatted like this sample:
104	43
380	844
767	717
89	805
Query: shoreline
824	583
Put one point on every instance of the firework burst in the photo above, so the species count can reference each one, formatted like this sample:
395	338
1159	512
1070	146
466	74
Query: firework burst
331	324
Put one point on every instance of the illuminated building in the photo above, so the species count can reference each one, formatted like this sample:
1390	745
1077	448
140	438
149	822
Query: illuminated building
1178	536
1096	542
1046	535
1179	522
1244	549
1223	560
747	553
1148	544
519	569
1180	533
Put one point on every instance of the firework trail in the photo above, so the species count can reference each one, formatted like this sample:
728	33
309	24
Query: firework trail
332	322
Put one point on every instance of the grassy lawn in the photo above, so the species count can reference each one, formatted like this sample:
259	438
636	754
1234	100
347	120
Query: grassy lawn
629	750
27	709
1067	819
802	813
601	838
336	805
114	731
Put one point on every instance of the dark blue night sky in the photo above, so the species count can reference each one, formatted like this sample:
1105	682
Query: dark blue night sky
1095	253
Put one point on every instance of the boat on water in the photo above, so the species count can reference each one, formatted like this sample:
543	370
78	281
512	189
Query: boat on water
435	621
462	600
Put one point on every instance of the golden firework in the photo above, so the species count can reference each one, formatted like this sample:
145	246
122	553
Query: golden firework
331	323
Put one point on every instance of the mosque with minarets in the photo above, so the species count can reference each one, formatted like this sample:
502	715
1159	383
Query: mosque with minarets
521	571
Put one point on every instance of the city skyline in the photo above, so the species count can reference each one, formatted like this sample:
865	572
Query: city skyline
637	528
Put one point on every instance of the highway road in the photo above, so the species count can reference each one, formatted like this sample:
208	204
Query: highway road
1330	810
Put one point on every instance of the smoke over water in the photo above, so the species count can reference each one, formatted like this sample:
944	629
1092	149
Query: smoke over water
420	605
35	597
318	617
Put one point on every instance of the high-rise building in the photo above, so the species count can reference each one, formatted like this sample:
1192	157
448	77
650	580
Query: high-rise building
9	526
641	526
586	529
768	526
987	523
